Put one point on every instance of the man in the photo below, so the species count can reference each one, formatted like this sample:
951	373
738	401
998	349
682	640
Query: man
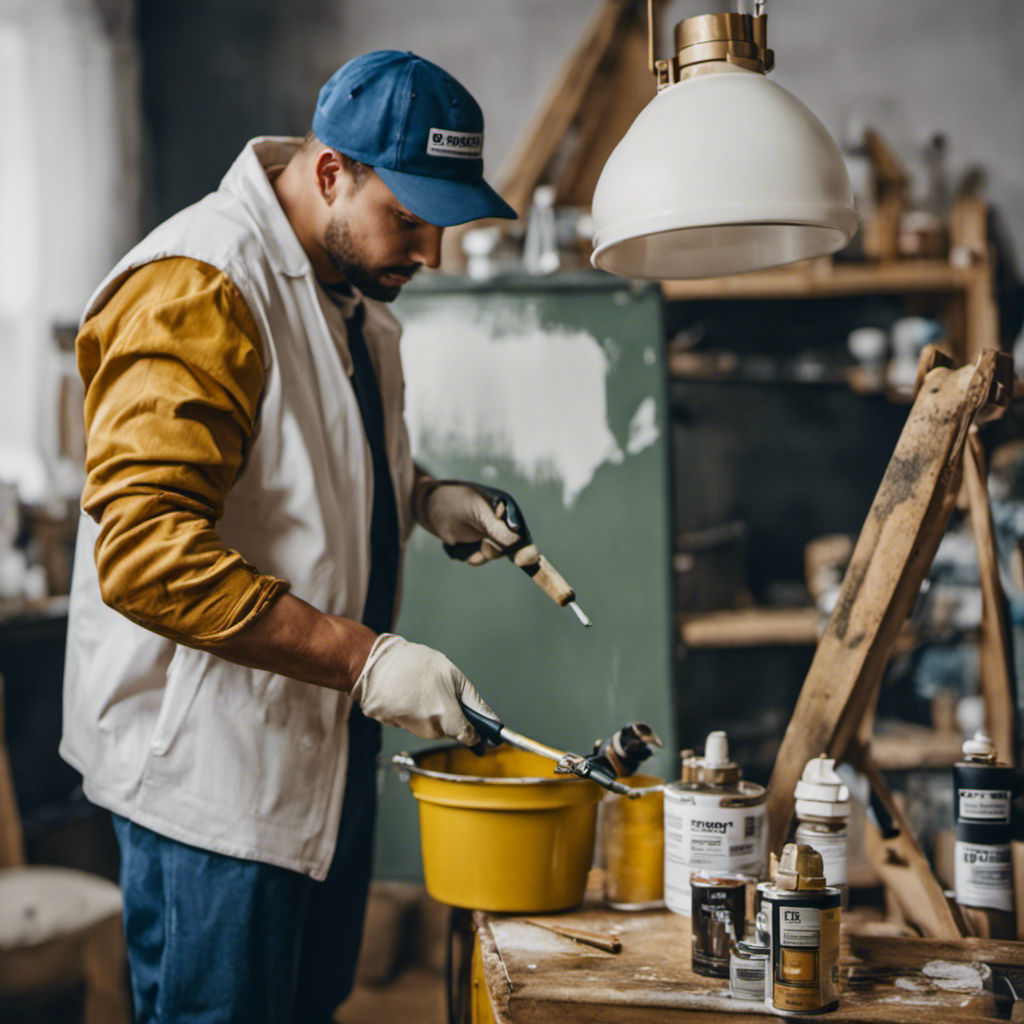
249	491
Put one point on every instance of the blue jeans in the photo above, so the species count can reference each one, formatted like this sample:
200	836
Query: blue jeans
217	940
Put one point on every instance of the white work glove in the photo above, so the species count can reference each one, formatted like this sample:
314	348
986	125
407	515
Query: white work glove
460	514
418	689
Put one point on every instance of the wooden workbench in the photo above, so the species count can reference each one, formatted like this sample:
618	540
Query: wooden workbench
533	975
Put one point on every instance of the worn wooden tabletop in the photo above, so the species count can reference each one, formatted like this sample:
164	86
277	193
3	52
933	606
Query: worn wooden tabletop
535	976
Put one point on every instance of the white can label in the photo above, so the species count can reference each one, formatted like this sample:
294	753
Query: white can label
800	927
833	853
983	876
746	977
989	805
704	836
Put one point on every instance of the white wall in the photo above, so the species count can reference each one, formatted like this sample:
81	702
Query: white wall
68	200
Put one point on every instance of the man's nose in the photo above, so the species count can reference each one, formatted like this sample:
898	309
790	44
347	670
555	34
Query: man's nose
427	246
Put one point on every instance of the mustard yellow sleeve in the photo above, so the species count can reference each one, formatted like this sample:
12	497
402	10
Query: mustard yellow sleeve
173	372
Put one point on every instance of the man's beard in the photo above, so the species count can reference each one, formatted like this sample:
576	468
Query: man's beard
347	260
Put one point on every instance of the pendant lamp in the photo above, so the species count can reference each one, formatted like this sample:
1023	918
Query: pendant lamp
724	171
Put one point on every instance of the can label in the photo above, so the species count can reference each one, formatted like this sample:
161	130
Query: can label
800	927
805	959
987	805
833	853
702	835
983	875
746	977
718	906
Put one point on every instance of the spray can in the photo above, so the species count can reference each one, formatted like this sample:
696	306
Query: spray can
822	812
714	821
802	920
982	799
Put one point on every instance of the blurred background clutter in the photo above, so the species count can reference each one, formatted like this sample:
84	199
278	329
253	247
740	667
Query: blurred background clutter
739	426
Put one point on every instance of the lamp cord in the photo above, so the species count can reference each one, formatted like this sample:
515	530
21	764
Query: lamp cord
650	36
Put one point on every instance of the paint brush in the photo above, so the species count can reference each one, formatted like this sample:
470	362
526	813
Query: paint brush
524	552
609	943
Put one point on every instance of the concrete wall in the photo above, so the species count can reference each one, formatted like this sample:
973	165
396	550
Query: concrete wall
913	69
218	73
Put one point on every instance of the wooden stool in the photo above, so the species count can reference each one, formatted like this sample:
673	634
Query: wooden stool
58	927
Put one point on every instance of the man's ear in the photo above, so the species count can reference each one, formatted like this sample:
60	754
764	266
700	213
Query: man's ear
330	175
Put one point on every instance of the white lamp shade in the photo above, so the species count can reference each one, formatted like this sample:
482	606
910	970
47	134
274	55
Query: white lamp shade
720	174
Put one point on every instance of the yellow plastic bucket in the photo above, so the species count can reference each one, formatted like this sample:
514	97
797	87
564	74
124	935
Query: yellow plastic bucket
501	832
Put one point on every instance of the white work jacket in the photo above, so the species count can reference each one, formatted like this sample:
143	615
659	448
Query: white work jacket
235	760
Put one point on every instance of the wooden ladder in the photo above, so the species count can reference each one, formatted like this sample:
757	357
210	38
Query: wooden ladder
938	451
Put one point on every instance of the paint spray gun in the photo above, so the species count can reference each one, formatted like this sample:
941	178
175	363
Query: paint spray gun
613	758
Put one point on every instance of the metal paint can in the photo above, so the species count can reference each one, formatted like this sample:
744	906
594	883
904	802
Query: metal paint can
802	917
714	821
718	910
982	800
748	965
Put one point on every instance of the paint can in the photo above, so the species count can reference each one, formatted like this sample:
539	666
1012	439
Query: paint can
801	916
982	799
714	821
632	845
748	965
822	808
718	911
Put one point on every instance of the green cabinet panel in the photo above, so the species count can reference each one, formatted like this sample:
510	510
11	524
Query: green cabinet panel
554	391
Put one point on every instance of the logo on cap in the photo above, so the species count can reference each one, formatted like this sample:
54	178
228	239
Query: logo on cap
462	145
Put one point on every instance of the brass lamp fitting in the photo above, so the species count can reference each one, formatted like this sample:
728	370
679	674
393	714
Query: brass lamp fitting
706	41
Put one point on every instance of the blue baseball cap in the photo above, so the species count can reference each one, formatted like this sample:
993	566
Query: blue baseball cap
418	128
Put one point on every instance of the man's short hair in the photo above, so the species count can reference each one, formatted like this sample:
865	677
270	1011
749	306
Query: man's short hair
357	171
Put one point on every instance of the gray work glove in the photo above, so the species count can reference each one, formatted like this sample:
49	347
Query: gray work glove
418	689
463	515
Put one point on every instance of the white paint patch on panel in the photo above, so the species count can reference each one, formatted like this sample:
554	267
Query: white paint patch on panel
499	385
643	427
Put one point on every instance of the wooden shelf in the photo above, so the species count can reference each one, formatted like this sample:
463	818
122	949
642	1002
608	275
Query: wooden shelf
906	747
752	627
718	367
829	280
722	365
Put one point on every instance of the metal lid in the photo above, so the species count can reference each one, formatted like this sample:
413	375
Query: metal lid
800	867
753	948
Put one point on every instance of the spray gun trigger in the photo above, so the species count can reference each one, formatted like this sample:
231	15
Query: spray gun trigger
585	768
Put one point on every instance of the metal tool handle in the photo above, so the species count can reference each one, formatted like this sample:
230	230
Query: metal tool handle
496	732
565	763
